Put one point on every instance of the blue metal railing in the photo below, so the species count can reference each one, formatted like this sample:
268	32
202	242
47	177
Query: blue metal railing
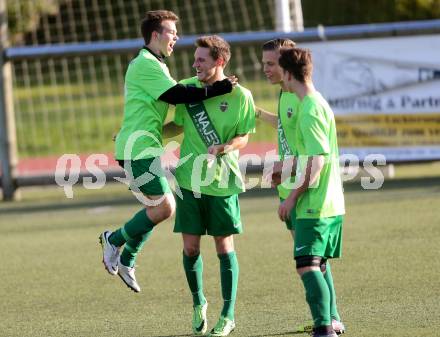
310	34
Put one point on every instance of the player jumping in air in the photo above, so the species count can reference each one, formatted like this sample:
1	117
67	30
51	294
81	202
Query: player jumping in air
149	89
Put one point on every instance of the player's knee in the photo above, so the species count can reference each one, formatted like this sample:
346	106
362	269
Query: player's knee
167	207
307	263
224	244
191	250
191	244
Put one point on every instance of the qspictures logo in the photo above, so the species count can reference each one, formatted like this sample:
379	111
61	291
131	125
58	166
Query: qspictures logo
68	170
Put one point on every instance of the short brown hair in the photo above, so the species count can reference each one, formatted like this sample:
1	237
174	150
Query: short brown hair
218	47
152	22
278	43
298	62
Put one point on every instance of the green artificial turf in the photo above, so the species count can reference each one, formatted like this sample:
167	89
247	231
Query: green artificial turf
53	282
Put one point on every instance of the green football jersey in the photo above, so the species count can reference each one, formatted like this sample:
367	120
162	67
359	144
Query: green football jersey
140	136
231	115
287	115
316	135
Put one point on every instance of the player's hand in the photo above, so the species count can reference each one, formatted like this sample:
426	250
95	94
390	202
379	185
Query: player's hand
258	112
222	87
215	149
276	180
278	167
273	176
233	79
286	208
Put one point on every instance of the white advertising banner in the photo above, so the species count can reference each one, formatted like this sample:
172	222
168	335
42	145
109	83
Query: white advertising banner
385	94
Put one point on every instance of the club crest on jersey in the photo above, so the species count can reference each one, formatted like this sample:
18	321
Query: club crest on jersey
224	106
289	112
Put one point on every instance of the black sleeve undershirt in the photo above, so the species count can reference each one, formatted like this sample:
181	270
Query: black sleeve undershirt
180	94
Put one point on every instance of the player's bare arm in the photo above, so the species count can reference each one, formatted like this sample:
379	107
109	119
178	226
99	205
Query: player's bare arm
266	116
280	170
236	143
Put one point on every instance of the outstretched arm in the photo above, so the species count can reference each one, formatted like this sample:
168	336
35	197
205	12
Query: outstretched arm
267	117
181	94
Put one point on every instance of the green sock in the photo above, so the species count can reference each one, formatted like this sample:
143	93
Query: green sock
229	271
318	297
132	248
193	266
138	225
329	279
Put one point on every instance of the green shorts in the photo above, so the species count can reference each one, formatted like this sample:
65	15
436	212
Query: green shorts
215	215
156	183
319	237
290	224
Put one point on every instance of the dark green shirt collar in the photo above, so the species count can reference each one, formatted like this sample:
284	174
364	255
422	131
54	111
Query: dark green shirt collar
160	57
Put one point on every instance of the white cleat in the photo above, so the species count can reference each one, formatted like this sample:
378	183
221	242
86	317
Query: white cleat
338	326
110	253
127	275
199	320
223	327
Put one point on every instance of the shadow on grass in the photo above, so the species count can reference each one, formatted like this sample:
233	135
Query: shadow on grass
287	333
173	335
270	334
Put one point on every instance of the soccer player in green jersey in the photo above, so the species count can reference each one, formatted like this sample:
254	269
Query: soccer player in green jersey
286	123
318	195
285	120
149	89
210	180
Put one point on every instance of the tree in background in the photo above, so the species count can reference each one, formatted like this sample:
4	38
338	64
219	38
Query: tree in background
64	21
350	12
24	16
418	9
